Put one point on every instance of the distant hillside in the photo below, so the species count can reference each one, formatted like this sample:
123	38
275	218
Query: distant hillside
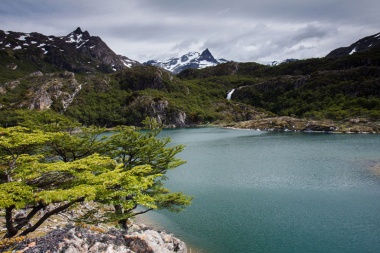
366	44
78	75
339	88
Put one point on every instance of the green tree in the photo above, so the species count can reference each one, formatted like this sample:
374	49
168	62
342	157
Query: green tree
35	175
135	148
70	146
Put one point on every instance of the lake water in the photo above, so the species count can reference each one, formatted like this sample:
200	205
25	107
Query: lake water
275	192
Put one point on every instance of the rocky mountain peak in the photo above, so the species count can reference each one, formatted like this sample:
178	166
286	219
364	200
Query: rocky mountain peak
79	32
78	36
207	56
190	60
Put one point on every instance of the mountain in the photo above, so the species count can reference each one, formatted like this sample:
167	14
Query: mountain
366	44
192	60
75	75
76	52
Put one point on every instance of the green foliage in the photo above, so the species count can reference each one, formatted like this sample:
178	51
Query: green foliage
303	88
131	148
16	194
53	169
47	120
68	146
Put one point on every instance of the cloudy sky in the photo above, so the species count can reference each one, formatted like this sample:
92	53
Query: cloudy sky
240	30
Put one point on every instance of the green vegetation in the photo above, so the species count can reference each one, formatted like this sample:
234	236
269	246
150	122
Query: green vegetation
321	88
337	89
50	169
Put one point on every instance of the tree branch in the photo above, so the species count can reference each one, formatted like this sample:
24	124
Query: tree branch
48	214
142	212
27	219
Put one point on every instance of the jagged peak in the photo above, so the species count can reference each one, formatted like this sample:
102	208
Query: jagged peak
78	32
206	52
207	56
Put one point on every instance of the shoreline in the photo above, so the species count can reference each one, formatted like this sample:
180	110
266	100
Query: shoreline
375	169
149	222
290	124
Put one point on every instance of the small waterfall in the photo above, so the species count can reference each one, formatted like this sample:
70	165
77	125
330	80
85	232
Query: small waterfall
230	94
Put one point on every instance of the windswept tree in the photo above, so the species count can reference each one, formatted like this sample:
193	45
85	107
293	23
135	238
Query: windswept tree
132	148
56	171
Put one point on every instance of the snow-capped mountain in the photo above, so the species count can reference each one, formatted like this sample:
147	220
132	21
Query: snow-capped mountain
365	44
190	60
77	52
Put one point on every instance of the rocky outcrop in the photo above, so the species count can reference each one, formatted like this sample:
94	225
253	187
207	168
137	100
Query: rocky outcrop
60	89
86	239
160	109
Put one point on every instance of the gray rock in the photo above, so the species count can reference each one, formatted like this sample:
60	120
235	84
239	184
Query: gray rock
90	239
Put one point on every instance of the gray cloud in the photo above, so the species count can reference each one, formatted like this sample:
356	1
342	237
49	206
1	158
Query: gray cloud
240	30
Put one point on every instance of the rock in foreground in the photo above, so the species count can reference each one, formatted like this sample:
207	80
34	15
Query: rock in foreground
92	239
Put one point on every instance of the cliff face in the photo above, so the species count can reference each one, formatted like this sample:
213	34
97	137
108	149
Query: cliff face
49	90
60	89
161	110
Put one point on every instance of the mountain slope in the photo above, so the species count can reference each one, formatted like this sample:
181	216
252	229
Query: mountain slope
76	52
343	88
192	60
366	44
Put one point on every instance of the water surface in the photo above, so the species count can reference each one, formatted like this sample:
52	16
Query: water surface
275	192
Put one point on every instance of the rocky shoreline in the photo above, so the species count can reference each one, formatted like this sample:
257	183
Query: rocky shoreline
91	239
356	125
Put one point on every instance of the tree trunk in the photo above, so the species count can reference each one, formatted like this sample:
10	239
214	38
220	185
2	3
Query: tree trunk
11	230
123	222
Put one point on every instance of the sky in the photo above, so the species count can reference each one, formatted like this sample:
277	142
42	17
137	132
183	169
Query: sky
238	30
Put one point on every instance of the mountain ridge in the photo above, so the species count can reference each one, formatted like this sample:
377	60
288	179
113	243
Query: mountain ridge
77	52
365	44
193	60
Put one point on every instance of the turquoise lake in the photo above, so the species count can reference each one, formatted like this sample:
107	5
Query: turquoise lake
275	192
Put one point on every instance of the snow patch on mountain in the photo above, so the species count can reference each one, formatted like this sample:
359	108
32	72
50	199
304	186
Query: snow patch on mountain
129	63
190	60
